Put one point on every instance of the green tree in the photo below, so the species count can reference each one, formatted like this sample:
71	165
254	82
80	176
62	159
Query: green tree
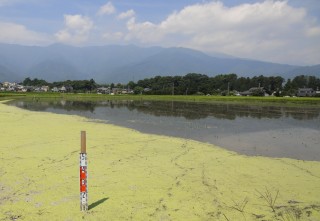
131	85
27	82
138	90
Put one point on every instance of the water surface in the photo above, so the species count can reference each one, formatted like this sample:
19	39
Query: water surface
272	131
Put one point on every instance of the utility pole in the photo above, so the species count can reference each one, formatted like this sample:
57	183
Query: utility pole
228	88
173	88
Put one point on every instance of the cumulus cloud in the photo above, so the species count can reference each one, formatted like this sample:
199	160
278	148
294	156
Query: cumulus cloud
256	30
13	33
77	29
128	14
313	32
106	9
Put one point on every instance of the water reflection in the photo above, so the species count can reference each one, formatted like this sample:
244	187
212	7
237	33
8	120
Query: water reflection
188	110
272	131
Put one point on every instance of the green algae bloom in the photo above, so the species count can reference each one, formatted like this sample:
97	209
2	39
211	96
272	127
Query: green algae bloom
136	176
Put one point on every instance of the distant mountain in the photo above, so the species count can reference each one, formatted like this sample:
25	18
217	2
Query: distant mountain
180	61
55	70
307	70
7	75
115	63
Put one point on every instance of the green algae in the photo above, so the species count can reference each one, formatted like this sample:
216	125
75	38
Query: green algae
136	176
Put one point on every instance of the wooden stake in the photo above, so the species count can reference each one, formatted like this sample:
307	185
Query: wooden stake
83	142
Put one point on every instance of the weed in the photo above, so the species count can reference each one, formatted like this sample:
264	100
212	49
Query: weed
240	205
290	214
269	198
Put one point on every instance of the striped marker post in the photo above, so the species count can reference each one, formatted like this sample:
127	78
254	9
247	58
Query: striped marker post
83	174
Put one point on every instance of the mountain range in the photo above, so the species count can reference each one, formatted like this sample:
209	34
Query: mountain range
121	64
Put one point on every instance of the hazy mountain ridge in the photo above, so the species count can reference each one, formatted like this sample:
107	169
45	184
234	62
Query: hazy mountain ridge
311	70
7	74
124	63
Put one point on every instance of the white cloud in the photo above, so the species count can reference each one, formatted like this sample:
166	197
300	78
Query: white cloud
313	32
146	32
13	33
106	9
271	30
77	29
128	14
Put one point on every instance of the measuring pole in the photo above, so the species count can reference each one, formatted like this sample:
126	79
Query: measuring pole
83	174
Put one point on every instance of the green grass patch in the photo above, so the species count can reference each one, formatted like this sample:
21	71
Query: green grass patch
281	101
6	95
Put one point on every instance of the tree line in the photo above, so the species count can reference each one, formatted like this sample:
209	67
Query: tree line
77	85
225	84
194	83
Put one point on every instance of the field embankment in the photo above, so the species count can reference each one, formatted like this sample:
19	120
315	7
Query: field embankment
247	100
135	176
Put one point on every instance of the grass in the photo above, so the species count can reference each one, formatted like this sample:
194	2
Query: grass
281	101
7	94
269	198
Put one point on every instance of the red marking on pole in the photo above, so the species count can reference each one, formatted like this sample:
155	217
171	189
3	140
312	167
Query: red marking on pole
83	174
83	187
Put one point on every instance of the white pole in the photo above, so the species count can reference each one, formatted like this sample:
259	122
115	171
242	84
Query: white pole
83	174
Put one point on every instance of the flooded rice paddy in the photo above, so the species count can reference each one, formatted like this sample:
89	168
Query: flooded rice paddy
272	131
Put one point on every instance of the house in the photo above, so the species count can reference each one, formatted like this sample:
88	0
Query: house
37	89
306	92
69	88
127	91
20	88
44	88
65	89
130	91
14	87
6	84
254	91
317	92
55	89
147	89
103	90
29	88
116	90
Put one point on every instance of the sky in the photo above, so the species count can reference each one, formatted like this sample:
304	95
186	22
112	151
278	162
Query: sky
280	31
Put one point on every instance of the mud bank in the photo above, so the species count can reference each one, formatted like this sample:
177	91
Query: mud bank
135	176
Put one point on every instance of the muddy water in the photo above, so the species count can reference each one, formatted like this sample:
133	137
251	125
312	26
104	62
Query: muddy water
292	132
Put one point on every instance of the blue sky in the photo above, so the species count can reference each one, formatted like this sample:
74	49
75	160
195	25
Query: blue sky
270	30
